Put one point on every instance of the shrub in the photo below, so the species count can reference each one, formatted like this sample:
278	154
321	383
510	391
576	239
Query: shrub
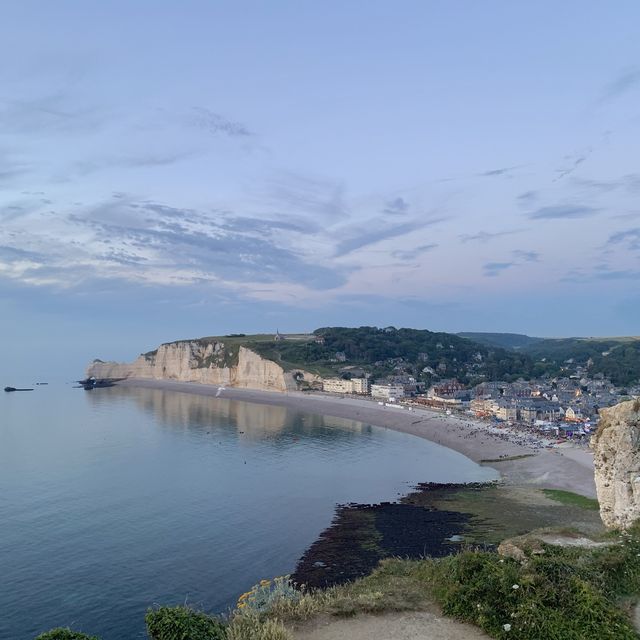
64	634
249	626
183	623
263	596
557	595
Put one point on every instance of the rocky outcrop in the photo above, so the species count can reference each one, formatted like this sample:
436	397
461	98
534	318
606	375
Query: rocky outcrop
616	447
206	362
521	548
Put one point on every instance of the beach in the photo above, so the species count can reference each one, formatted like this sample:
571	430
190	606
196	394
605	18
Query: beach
522	459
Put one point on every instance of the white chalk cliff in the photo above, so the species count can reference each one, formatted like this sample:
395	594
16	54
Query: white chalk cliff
203	361
616	448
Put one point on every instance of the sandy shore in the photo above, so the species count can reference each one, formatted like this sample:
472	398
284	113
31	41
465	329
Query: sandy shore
564	467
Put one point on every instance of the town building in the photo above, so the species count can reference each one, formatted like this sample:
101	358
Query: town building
506	411
339	385
361	386
483	408
450	391
387	391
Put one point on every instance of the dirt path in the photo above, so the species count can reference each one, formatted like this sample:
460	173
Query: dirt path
414	625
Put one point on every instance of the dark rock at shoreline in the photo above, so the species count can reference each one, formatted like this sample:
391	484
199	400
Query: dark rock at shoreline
362	535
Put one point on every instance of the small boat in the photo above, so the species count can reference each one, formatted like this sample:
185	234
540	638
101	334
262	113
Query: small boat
88	384
14	389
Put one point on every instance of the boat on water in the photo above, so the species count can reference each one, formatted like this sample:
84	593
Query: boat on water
88	384
14	389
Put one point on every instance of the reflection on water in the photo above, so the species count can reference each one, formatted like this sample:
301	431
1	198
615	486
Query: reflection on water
115	499
189	411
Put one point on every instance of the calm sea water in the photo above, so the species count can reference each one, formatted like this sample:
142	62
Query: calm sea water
117	499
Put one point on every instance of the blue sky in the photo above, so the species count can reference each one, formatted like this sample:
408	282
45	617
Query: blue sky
176	169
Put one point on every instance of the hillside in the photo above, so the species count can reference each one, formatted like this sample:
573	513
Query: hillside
615	358
502	340
330	350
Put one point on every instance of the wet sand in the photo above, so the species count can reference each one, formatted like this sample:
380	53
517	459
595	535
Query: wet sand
564	467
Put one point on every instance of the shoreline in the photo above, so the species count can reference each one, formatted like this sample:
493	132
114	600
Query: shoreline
563	467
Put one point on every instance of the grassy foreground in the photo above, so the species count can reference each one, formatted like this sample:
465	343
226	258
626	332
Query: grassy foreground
556	593
561	593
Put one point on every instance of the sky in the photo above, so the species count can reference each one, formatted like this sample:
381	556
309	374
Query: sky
178	169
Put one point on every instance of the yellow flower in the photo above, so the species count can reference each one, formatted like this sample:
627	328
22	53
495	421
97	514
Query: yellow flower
264	583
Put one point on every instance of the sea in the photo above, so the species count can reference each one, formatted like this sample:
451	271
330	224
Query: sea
120	499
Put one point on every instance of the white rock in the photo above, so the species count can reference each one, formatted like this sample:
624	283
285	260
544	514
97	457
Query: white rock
616	448
203	362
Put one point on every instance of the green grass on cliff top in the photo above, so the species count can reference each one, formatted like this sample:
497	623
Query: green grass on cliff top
265	346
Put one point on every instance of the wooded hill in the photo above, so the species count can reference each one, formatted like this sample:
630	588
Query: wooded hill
615	358
383	351
429	355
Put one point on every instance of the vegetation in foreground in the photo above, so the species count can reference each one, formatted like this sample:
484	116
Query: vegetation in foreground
183	623
556	593
64	634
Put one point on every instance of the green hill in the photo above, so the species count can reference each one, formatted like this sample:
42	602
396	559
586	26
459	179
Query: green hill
616	358
502	340
384	351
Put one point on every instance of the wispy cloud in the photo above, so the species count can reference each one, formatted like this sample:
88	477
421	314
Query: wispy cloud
520	257
303	196
133	161
625	82
397	206
573	163
528	198
602	272
629	183
622	274
486	236
560	212
630	238
502	171
14	254
11	176
54	113
214	123
159	244
412	254
377	230
493	269
526	256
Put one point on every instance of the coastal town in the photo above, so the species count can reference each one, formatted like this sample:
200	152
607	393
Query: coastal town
563	407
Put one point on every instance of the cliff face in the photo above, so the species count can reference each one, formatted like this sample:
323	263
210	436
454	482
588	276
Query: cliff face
206	362
616	448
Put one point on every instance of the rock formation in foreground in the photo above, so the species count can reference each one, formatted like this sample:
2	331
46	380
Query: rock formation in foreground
205	361
616	448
